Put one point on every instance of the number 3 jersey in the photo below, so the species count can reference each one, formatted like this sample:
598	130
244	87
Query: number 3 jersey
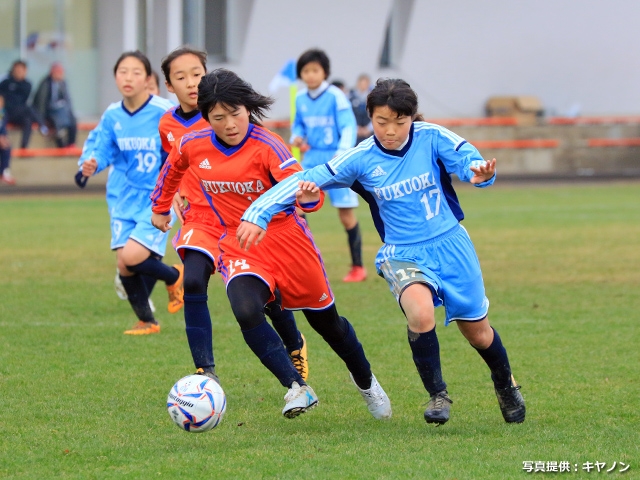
409	191
135	136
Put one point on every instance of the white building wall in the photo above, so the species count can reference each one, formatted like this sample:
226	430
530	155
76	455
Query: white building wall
575	55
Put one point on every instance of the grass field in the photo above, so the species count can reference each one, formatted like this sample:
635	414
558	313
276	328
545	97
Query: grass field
562	271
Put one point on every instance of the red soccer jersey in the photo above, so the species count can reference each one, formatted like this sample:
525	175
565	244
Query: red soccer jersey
231	177
172	127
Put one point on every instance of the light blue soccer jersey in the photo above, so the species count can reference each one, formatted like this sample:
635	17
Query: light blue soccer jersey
409	191
326	121
117	170
135	136
415	210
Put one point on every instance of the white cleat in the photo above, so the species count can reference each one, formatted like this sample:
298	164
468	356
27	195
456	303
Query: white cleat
299	399
377	400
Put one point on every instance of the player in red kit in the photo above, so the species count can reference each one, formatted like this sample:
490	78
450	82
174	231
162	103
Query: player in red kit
236	161
197	240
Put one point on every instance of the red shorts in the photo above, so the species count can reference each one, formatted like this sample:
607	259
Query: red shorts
200	231
286	259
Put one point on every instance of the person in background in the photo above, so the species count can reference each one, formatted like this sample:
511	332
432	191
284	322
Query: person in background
325	122
16	90
52	101
153	86
358	99
130	128
5	148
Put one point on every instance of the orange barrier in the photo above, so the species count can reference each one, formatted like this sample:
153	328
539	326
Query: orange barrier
518	144
46	152
613	142
600	120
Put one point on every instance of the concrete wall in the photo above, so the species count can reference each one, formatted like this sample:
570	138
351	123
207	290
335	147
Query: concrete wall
577	56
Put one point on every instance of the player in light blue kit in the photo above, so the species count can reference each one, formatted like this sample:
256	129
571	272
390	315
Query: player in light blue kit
404	173
325	121
130	129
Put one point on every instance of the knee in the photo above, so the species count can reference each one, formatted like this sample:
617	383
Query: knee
194	285
481	337
248	315
420	321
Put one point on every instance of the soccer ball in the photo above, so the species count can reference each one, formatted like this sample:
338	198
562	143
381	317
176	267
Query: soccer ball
196	403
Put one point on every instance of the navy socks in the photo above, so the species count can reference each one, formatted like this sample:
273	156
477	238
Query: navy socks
496	358
267	346
198	328
355	245
426	356
138	297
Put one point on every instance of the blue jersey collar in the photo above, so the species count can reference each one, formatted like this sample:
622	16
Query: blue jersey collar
397	153
131	114
230	150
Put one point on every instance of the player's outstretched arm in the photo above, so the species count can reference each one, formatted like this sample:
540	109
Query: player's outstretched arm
484	172
249	234
161	222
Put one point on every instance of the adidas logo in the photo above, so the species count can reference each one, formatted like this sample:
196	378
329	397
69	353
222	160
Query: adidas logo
117	126
323	297
205	164
378	172
170	137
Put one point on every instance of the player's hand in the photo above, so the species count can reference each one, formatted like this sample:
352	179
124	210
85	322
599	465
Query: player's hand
4	142
89	167
483	172
297	142
308	192
249	234
161	222
178	205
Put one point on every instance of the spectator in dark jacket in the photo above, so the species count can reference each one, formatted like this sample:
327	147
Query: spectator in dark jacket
5	148
16	90
53	103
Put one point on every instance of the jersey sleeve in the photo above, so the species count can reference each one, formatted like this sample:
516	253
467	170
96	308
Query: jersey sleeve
169	180
327	176
105	148
459	156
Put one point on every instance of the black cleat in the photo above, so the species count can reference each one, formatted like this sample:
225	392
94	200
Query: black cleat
208	372
438	408
511	403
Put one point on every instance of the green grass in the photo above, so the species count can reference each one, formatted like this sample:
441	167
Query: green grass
562	272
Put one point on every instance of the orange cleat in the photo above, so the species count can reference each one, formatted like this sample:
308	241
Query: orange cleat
300	359
143	328
356	274
176	292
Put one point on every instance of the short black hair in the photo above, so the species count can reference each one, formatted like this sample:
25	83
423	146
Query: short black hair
135	54
395	94
223	86
314	55
178	52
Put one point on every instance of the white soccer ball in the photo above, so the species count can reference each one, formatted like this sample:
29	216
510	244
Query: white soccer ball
196	403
